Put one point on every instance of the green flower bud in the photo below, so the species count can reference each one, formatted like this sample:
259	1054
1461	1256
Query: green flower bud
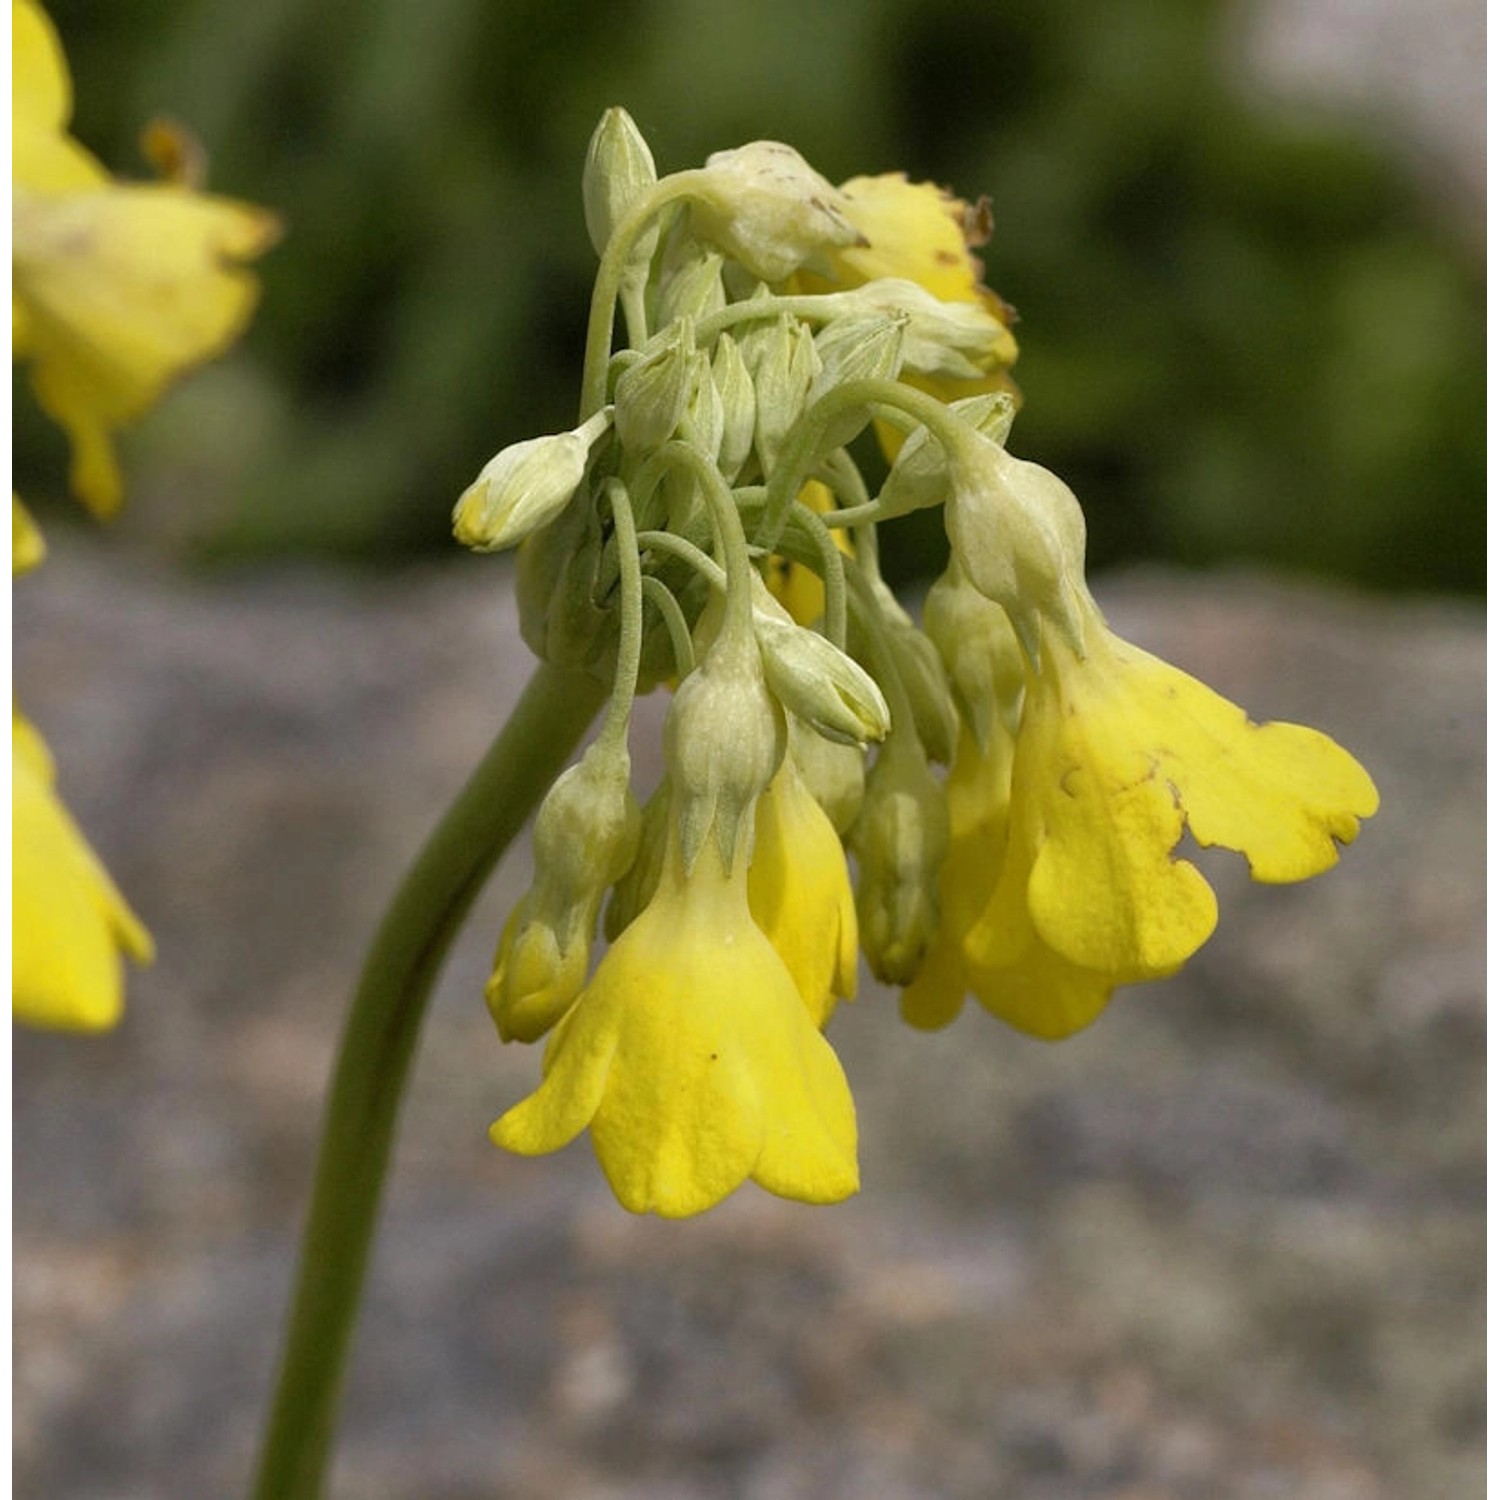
942	338
618	171
919	477
855	349
520	490
783	362
923	677
737	399
813	679
653	393
981	653
586	835
692	289
834	773
1017	531
724	739
900	840
703	421
763	205
556	572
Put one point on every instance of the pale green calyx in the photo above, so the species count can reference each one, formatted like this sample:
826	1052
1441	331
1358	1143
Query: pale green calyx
833	772
524	487
618	172
737	400
919	478
853	349
923	679
942	338
1017	531
652	394
980	651
813	679
762	204
900	840
586	836
693	288
725	735
784	362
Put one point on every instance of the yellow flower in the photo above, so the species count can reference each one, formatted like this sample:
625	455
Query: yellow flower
69	924
800	895
1117	755
918	232
692	1060
27	548
116	289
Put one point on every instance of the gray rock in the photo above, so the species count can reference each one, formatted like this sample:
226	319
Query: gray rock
1226	1243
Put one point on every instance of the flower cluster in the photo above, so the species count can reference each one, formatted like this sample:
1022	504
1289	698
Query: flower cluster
1013	780
116	289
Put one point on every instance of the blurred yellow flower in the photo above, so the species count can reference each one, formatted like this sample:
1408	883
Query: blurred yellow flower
69	923
116	289
693	1061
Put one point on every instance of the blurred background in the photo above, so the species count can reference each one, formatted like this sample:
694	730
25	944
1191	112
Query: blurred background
1244	239
1228	1243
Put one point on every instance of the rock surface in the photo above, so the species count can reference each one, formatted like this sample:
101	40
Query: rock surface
1227	1243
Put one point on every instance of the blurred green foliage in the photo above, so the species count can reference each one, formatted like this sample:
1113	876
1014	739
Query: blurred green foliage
1244	334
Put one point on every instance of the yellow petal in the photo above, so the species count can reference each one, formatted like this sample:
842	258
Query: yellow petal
575	1072
1119	754
800	894
124	288
42	96
694	1060
1286	796
68	922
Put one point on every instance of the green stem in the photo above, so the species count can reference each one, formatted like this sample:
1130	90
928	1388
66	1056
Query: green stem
799	451
613	265
375	1056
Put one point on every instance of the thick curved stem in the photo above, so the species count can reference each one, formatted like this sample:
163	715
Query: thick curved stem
375	1057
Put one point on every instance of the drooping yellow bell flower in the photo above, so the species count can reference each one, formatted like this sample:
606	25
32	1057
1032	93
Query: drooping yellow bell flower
69	923
800	894
1118	755
116	289
693	1062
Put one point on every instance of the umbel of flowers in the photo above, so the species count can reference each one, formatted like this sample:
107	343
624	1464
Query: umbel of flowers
1013	780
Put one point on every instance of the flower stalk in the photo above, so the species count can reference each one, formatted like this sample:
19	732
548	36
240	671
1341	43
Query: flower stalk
374	1059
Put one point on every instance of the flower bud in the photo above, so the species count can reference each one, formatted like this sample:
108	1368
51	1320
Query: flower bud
618	171
834	773
586	835
813	679
919	477
783	361
703	420
1017	531
942	338
652	394
520	490
724	739
693	288
737	398
981	653
900	840
763	204
920	667
638	884
855	349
